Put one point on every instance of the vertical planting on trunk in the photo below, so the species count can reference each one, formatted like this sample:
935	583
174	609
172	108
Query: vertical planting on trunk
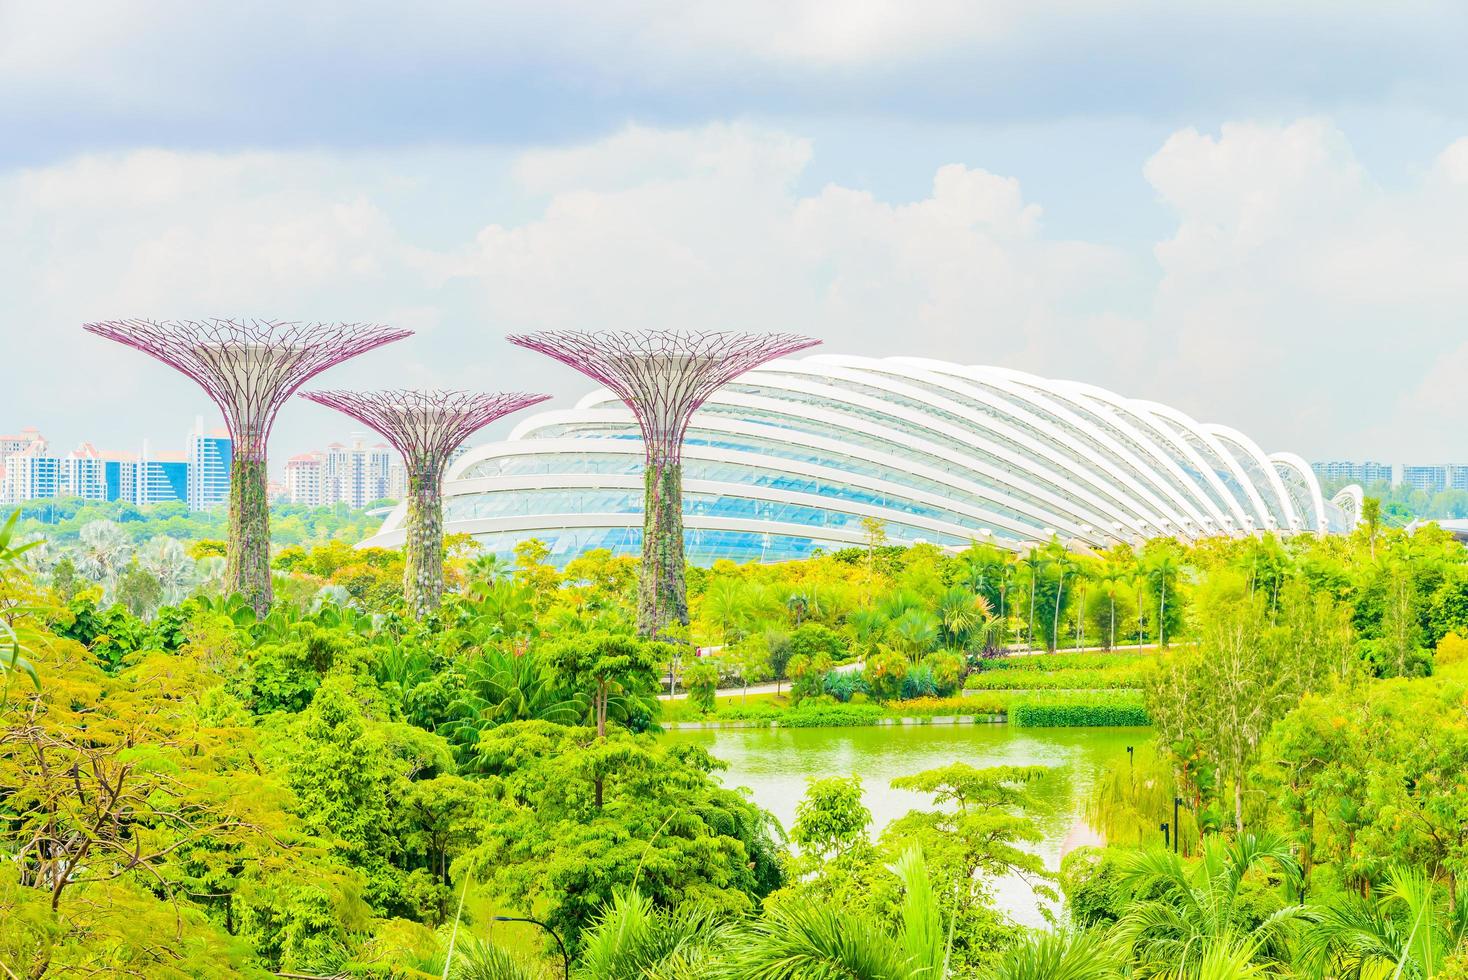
247	556
423	551
662	593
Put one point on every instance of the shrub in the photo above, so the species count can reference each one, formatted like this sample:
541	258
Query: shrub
814	639
844	685
996	704
814	714
945	669
919	683
1093	709
884	674
807	675
1066	661
1067	678
1451	649
702	681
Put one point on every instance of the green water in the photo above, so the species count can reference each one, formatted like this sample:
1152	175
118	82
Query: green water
774	765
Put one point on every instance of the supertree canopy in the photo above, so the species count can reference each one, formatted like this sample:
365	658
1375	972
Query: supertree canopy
249	368
425	427
663	376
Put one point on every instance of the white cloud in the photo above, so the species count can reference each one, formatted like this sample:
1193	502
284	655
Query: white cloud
706	229
1296	297
1297	281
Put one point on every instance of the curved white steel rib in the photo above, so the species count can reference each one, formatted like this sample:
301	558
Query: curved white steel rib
795	453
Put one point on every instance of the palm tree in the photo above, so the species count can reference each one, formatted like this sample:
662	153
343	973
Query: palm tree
1059	955
633	940
168	561
484	572
1067	565
799	940
1110	579
1184	915
1162	566
1409	931
726	604
105	550
500	688
915	631
1033	563
960	611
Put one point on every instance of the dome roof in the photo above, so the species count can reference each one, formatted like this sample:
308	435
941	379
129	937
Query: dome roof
793	456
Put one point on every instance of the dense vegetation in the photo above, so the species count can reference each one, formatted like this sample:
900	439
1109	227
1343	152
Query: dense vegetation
337	789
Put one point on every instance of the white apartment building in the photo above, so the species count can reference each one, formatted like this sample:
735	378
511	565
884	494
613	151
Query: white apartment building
357	474
304	481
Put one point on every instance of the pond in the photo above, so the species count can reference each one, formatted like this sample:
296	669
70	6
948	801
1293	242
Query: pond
775	763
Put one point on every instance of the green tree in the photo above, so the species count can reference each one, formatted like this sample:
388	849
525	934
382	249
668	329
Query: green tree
605	667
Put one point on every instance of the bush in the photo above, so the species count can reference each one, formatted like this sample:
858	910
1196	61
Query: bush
1079	679
1066	661
945	669
1093	894
702	681
814	639
884	673
1099	709
844	685
1451	649
814	714
919	684
996	704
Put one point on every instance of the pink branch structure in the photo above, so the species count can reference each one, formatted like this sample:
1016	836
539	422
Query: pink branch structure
249	368
663	376
425	427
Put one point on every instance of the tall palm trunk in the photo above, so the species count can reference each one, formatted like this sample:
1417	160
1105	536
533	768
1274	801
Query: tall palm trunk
1055	624
1112	597
1162	612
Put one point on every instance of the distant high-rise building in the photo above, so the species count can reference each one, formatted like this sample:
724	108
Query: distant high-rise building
304	479
1372	473
83	474
1430	479
32	474
1366	473
357	474
162	478
120	476
209	459
12	444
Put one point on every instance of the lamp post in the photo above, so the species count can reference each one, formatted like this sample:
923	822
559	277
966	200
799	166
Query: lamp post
1177	802
565	957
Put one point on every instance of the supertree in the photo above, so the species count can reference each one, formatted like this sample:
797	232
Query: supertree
425	427
249	368
663	376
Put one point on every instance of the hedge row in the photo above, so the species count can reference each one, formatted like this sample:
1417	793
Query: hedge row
1101	709
831	715
1067	661
1121	676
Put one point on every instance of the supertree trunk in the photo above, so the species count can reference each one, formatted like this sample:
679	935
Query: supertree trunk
423	549
662	593
249	368
426	427
247	557
662	376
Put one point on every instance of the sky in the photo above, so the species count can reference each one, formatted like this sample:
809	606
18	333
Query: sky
1256	212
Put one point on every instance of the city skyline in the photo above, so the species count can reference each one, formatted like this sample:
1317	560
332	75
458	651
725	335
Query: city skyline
357	470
